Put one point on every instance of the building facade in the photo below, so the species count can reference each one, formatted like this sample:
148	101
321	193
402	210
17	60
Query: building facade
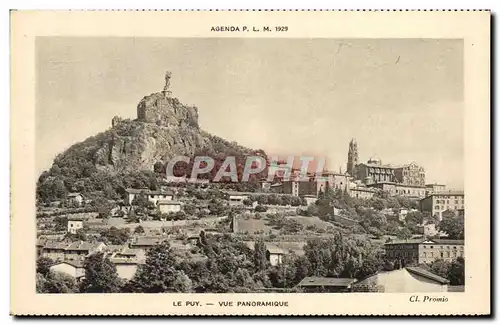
413	252
410	174
374	172
74	224
77	198
152	196
437	203
73	268
274	255
362	192
399	189
169	206
434	188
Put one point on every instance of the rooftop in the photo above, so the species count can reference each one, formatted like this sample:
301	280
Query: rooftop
273	249
146	241
314	281
429	241
426	274
168	202
81	246
75	263
449	241
445	193
147	191
76	218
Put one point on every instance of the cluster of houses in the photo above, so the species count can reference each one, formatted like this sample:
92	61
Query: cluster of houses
70	256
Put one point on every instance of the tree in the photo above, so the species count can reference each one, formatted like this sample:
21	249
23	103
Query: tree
456	272
247	202
453	226
403	233
377	203
190	209
159	168
141	200
440	267
55	282
260	208
132	217
159	273
43	265
100	275
104	211
415	217
216	207
79	235
116	236
139	230
61	223
260	255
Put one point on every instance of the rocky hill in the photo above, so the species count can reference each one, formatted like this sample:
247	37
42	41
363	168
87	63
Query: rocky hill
164	128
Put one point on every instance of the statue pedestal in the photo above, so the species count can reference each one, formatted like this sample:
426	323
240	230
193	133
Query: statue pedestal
167	93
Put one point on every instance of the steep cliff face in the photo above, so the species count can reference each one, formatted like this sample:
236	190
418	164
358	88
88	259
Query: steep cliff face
164	128
137	145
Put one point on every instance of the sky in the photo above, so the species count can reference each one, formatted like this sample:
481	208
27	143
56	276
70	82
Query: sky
402	99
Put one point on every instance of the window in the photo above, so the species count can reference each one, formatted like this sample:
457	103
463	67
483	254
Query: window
432	246
442	254
425	254
447	254
432	254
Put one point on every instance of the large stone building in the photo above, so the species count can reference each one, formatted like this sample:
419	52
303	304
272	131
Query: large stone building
410	174
374	172
406	180
437	203
400	189
434	188
417	251
314	185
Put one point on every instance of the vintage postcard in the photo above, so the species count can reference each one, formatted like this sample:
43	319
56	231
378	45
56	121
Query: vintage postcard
250	163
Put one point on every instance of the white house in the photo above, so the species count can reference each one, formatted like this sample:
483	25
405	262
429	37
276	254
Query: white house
76	197
169	206
152	196
274	254
73	268
409	279
310	199
74	223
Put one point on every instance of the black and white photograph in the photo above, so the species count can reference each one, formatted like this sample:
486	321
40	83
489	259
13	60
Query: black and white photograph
361	189
250	163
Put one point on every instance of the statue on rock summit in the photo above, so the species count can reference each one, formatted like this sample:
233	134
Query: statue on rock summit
166	89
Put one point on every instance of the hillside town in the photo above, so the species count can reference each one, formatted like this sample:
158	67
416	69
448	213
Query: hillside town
411	228
374	227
